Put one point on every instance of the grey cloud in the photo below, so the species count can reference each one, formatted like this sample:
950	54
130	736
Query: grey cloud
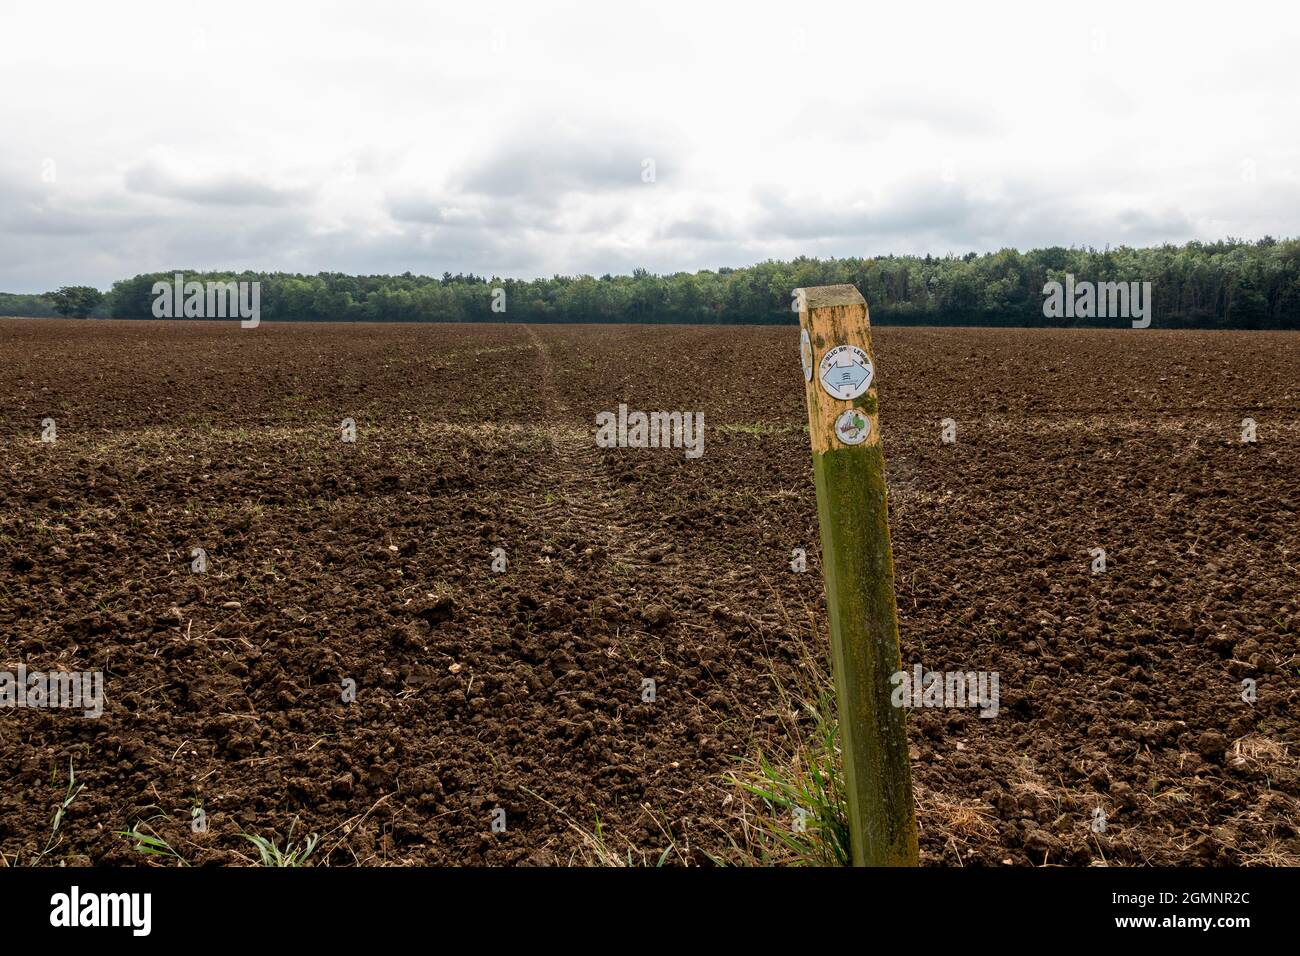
231	190
939	217
703	226
426	209
546	168
55	210
51	236
918	209
542	163
1141	225
465	212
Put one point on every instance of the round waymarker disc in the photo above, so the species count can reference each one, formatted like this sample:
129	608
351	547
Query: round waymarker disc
852	427
846	372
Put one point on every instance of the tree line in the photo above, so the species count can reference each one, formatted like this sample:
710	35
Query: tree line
1226	284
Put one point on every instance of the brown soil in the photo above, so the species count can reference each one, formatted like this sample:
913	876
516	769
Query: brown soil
522	690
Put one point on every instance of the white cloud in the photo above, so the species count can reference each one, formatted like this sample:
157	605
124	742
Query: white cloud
509	138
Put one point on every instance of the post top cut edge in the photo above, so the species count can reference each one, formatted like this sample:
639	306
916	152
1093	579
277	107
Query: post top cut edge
826	296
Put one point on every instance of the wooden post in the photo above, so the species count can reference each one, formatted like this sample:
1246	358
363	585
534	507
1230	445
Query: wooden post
849	470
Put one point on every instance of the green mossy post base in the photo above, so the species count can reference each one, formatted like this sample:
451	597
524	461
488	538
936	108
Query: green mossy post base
853	515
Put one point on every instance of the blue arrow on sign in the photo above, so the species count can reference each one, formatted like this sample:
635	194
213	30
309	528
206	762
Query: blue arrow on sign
848	377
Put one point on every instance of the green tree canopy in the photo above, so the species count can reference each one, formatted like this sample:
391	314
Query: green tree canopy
77	301
1226	284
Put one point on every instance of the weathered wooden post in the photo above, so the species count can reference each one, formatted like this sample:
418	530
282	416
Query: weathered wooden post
849	471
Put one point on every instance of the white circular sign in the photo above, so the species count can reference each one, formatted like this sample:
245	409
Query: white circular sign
845	372
805	354
852	427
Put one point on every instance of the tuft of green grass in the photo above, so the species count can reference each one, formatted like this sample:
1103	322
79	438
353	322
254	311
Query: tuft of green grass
789	796
147	840
150	844
293	854
73	790
800	807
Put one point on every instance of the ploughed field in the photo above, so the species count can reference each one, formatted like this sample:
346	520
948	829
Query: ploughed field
372	562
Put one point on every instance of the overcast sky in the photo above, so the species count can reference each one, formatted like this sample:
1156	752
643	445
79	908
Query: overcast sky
511	139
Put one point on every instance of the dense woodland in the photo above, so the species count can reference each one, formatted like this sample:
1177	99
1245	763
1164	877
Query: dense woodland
1229	284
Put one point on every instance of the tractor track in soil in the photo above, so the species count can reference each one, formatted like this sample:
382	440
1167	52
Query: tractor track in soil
572	491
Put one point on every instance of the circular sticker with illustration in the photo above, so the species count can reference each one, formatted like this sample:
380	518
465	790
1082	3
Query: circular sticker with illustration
846	372
852	427
805	354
